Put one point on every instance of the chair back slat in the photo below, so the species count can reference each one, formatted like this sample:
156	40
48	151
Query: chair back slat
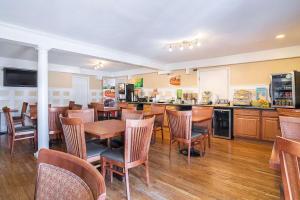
289	153
73	130
137	139
24	107
9	121
130	114
180	123
86	115
290	127
63	176
53	118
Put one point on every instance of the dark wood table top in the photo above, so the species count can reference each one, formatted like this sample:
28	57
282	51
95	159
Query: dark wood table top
105	129
200	118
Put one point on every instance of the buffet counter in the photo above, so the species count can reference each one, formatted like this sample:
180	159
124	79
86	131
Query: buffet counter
248	121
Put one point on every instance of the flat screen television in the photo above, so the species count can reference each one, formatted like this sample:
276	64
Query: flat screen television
19	78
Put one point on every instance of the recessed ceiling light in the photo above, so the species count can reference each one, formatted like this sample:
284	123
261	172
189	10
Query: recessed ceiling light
280	36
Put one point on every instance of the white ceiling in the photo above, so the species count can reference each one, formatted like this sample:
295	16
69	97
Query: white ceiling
14	50
143	27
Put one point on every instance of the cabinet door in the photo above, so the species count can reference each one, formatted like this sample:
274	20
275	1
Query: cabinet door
270	128
147	108
246	126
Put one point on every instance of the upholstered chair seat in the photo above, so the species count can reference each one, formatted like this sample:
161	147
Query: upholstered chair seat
94	150
115	154
24	130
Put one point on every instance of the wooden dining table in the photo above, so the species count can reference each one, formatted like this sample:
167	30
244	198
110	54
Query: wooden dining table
105	129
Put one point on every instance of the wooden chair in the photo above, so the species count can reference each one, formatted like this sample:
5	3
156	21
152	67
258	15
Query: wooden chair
71	104
131	114
98	106
290	127
288	112
289	153
55	128
137	142
21	119
76	107
123	105
205	126
180	125
85	115
159	119
63	176
76	144
18	133
127	114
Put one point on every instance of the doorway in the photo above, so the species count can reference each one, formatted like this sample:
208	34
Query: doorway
80	85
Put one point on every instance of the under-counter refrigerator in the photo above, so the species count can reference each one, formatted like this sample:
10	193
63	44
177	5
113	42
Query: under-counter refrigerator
285	90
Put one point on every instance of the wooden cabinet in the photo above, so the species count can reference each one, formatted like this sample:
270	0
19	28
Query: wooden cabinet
256	124
270	125
246	123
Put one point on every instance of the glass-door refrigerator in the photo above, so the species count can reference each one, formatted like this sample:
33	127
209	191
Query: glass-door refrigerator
285	90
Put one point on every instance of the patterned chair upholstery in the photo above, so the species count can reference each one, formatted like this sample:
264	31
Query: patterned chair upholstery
63	176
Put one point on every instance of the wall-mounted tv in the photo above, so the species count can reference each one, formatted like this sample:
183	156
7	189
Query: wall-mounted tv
19	78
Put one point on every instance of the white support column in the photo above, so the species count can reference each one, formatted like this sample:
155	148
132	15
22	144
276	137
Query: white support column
43	131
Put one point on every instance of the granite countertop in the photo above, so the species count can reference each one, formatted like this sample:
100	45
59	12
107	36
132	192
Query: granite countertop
216	106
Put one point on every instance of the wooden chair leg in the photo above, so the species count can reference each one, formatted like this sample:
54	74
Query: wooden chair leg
189	153
209	134
162	134
111	172
147	172
12	145
127	184
103	167
8	140
170	149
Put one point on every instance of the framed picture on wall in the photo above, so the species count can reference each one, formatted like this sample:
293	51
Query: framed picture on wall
175	80
261	93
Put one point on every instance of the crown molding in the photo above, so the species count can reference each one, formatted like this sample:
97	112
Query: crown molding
131	72
271	54
37	39
32	65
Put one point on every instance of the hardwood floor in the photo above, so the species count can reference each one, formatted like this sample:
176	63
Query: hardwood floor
235	169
